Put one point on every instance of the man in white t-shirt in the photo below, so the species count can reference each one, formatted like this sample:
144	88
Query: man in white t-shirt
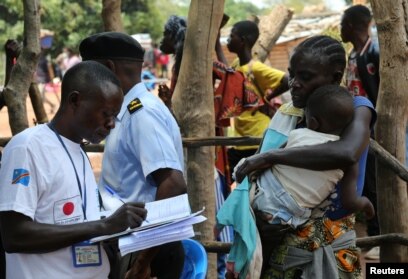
49	200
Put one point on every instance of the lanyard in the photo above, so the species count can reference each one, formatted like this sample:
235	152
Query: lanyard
83	198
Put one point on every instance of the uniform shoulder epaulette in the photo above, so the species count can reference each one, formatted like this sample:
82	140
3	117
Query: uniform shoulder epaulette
134	105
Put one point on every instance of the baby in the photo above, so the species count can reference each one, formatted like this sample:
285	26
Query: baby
287	195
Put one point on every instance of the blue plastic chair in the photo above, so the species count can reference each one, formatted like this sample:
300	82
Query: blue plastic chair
195	261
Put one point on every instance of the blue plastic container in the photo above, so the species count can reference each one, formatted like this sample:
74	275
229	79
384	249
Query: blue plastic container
195	262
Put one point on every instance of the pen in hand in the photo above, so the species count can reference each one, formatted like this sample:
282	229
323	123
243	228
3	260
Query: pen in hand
113	193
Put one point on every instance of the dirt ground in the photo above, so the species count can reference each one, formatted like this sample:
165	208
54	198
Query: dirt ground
96	158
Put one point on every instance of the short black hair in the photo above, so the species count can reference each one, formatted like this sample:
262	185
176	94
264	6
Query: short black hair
85	75
173	26
176	27
358	16
248	30
324	46
333	103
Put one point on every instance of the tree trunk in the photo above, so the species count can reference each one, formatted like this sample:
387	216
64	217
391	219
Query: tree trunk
270	29
111	15
15	93
194	108
37	103
392	107
361	2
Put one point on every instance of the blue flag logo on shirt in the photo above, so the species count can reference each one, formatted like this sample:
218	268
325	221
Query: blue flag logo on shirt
21	176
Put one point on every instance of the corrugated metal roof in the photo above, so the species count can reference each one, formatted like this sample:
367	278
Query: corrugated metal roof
301	26
308	26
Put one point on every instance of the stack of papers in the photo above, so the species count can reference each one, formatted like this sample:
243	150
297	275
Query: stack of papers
170	232
167	221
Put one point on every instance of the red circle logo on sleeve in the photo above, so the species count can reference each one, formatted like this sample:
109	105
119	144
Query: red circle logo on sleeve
68	208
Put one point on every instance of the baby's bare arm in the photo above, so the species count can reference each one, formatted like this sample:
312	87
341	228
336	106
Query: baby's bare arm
348	193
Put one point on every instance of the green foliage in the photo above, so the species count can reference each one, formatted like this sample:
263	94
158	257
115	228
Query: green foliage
70	20
130	6
11	20
145	18
296	5
73	20
238	11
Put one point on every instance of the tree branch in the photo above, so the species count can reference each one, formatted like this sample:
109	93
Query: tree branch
15	93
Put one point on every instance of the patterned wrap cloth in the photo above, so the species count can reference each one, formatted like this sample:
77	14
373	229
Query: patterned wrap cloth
313	235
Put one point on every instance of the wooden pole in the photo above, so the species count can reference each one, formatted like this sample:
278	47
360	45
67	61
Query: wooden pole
37	103
362	242
15	93
388	160
392	109
111	15
194	109
13	50
381	154
270	29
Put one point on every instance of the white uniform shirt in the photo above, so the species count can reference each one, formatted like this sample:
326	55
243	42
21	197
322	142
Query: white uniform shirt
145	139
308	187
37	179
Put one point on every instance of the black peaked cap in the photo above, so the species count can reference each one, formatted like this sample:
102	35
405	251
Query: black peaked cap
111	45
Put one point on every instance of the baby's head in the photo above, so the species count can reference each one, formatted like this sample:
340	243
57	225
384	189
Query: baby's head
329	109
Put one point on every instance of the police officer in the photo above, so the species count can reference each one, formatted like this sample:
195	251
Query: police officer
143	159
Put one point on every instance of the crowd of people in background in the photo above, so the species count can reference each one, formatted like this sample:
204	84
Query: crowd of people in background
50	71
296	193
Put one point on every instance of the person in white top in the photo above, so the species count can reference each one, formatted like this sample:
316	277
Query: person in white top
286	194
143	158
49	200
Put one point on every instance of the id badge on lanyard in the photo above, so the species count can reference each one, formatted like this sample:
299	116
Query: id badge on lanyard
86	254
